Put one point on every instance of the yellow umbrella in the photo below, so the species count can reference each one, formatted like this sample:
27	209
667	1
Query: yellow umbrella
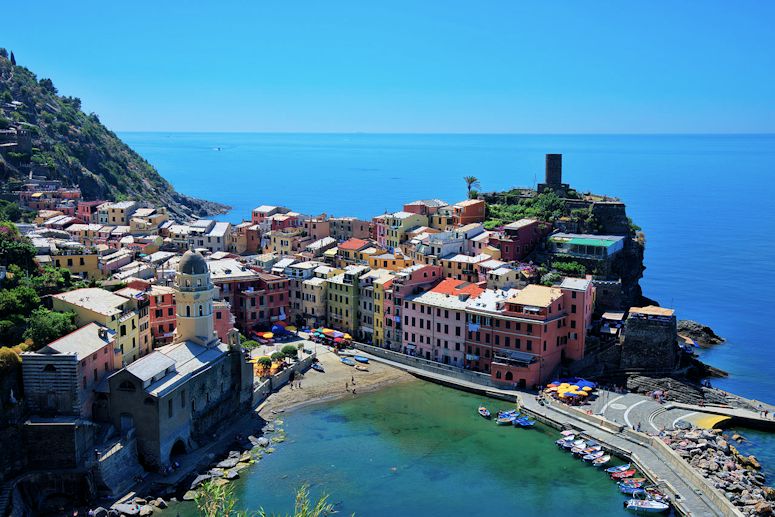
291	328
347	336
581	393
574	388
587	388
267	335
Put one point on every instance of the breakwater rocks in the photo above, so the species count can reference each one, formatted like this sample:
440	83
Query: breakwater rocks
702	334
677	390
735	475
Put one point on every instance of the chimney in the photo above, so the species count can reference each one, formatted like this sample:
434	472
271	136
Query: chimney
553	169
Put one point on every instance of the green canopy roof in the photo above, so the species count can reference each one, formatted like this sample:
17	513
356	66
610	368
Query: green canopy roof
582	241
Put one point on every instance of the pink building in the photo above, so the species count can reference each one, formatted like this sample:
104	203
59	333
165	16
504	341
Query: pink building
521	337
434	322
518	239
317	228
60	378
223	320
87	211
407	282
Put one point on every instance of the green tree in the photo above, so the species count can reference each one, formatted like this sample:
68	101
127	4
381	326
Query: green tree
472	182
249	344
13	59
15	249
9	211
219	501
45	326
290	351
265	361
277	356
20	300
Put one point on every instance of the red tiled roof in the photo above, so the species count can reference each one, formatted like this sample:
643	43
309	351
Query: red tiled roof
455	287
353	244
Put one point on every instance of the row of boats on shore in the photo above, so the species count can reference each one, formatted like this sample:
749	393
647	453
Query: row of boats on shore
509	417
644	498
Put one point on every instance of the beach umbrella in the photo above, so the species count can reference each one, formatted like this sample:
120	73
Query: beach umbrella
574	388
347	336
282	323
336	333
328	332
267	335
291	328
587	388
338	340
552	385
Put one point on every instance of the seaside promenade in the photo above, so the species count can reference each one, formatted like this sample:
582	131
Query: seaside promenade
676	477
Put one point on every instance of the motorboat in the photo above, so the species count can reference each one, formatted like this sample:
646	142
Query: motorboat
484	412
631	490
347	361
633	481
593	456
618	468
361	359
602	460
525	422
646	506
318	367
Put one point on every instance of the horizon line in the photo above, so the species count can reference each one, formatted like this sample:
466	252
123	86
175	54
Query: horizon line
460	133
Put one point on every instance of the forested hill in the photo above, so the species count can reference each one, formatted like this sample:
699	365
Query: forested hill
70	145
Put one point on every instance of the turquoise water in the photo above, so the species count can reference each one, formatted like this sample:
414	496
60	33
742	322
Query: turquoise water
421	449
704	202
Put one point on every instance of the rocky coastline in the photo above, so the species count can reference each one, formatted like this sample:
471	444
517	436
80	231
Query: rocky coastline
737	476
699	333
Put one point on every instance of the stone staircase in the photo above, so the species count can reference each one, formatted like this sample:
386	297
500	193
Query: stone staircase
118	466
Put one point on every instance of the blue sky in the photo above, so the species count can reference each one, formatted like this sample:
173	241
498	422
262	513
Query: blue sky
407	66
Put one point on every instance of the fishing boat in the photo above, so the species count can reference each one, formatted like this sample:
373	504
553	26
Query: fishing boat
631	490
524	422
318	367
568	433
361	368
484	412
623	474
633	481
562	441
591	448
568	445
347	361
361	359
646	506
618	468
593	456
506	417
602	460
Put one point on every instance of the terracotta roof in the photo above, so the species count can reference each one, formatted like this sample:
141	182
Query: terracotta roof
652	310
455	287
353	244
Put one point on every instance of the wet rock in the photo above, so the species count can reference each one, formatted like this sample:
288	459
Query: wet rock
189	496
146	510
215	473
263	442
228	463
246	456
231	474
160	503
234	454
199	480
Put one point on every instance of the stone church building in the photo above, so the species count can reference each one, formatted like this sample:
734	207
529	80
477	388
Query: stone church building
173	399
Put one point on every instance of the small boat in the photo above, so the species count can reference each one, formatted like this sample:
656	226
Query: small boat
568	432
593	456
524	422
591	448
318	367
633	481
623	474
361	359
579	443
568	445
646	506
618	468
484	412
631	490
602	460
561	442
361	368
347	361
506	417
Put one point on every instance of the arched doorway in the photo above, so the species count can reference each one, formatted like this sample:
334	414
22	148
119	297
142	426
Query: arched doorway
178	449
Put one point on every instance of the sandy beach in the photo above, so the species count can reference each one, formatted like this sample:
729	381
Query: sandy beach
318	387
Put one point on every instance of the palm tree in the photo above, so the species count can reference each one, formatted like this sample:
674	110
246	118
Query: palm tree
472	182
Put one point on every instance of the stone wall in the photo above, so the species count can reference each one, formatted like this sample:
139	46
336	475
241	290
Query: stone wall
649	344
58	445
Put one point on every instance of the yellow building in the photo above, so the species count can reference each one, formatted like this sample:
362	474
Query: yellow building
287	241
120	213
81	262
343	293
381	286
397	225
395	261
111	310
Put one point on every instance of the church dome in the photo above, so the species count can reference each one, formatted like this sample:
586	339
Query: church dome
192	263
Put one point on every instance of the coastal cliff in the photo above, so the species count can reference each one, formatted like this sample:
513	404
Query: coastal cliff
44	133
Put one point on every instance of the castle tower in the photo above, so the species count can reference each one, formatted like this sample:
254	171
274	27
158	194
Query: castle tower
194	299
553	174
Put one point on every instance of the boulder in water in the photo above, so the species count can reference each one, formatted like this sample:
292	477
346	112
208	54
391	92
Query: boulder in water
700	333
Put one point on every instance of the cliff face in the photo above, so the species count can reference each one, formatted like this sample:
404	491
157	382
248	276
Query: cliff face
58	140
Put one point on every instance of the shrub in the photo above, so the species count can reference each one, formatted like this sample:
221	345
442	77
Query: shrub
277	357
290	351
249	344
264	361
570	268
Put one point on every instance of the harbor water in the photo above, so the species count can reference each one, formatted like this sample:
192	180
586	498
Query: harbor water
422	449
